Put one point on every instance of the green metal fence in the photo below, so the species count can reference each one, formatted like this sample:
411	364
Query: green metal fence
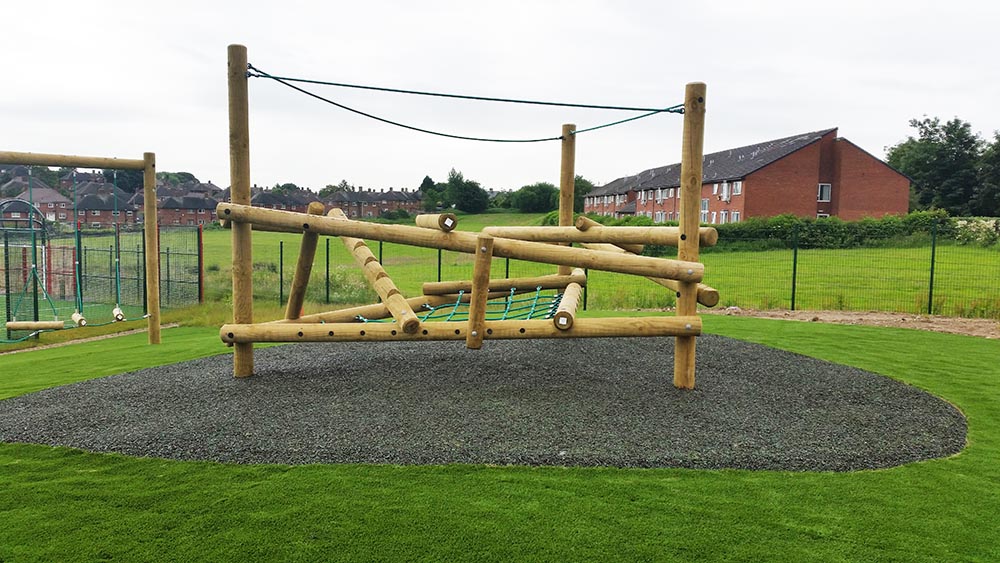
924	275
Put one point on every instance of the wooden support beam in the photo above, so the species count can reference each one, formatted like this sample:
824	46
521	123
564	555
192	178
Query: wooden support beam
554	281
303	268
567	180
35	325
239	182
691	181
445	222
377	277
583	223
566	312
151	246
466	242
455	330
707	296
666	236
480	292
70	161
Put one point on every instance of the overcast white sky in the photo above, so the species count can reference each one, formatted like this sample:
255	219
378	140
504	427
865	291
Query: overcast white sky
117	78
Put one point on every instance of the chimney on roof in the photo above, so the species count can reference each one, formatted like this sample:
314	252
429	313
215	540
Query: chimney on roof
390	188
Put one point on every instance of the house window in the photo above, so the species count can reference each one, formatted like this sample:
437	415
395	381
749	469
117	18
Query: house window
823	193
128	213
736	217
670	194
713	217
81	212
115	213
822	215
62	205
96	212
642	197
95	225
723	216
704	210
51	205
715	189
62	216
15	215
737	188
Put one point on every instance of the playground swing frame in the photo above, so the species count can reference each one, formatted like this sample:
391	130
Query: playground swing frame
148	167
605	248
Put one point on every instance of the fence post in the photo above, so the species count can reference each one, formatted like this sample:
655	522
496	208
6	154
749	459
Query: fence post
201	264
930	286
111	269
145	296
506	269
166	282
6	278
586	275
439	264
281	272
795	260
327	269
380	253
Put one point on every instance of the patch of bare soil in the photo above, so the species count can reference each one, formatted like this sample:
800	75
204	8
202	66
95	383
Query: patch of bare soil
985	328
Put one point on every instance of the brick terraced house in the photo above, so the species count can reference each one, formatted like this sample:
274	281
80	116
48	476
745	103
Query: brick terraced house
810	175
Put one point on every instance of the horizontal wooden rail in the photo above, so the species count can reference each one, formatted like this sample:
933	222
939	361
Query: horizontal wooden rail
35	325
665	236
494	330
553	281
69	161
441	221
461	241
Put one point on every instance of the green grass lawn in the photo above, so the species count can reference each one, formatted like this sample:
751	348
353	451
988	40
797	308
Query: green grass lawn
58	504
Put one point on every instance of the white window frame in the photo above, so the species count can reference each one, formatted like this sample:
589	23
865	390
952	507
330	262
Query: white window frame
715	189
713	217
723	217
738	187
735	218
819	192
95	212
822	215
15	214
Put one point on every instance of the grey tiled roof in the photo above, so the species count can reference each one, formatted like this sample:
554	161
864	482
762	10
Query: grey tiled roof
730	164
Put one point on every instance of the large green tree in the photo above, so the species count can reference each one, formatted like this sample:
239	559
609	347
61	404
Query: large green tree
127	180
943	162
986	199
465	195
536	198
581	187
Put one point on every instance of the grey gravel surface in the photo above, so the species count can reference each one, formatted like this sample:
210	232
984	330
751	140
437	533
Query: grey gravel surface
587	402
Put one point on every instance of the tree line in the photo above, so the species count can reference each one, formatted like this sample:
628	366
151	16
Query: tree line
951	168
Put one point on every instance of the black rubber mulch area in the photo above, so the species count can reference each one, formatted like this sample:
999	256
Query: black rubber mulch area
586	402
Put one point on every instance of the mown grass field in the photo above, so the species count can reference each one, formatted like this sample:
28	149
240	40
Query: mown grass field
58	504
886	279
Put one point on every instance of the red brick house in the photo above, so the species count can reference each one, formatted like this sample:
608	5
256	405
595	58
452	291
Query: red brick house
811	175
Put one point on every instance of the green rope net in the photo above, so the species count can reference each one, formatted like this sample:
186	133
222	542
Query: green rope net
535	306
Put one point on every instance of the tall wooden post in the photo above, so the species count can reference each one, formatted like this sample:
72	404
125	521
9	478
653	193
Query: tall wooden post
239	183
687	248
152	247
567	177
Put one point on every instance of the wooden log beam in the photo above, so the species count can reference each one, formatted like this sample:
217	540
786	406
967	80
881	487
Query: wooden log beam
480	292
466	242
583	223
70	161
239	181
377	277
35	325
566	312
445	222
303	268
151	247
554	281
691	182
495	330
707	296
567	180
665	236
